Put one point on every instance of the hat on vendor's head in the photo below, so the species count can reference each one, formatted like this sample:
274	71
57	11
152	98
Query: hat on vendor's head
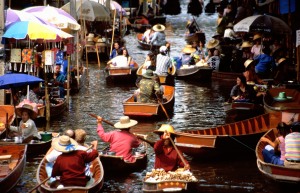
125	123
246	44
248	63
148	74
281	60
256	37
212	43
28	108
158	27
64	144
165	128
188	49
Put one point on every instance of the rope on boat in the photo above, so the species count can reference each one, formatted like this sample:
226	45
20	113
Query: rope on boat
241	143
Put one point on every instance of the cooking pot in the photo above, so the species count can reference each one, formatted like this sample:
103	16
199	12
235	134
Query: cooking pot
46	136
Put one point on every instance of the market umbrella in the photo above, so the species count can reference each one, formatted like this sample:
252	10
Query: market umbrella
12	16
34	30
13	80
89	10
262	24
113	6
54	15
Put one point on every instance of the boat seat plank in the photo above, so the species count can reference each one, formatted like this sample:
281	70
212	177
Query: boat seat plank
5	157
4	171
13	164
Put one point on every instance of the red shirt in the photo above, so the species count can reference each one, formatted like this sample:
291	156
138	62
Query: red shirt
121	142
71	167
166	158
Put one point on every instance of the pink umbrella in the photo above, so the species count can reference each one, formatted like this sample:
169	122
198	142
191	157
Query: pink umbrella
13	16
116	6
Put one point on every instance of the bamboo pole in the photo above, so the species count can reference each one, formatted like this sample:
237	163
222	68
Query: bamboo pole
298	63
113	33
77	58
68	81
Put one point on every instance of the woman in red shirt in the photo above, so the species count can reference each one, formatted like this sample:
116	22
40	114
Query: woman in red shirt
166	156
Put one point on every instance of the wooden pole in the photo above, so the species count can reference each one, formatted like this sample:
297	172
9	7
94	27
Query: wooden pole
77	57
68	81
47	101
39	184
113	33
298	63
178	152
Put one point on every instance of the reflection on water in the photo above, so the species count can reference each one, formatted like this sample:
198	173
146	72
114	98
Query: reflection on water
197	105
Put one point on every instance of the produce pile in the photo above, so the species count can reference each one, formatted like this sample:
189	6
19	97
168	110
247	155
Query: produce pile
158	175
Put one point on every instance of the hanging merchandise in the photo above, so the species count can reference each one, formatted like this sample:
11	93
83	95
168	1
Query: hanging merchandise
15	67
20	67
27	56
59	57
31	68
70	48
15	55
9	66
25	67
48	57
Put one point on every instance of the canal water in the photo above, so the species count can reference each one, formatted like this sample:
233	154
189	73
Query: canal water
197	105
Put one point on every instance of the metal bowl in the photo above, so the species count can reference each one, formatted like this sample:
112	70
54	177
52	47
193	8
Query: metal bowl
7	140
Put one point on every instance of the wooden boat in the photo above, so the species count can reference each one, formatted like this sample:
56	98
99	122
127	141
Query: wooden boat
119	166
7	115
96	170
194	73
290	105
227	76
121	74
198	36
275	172
170	186
237	111
12	165
229	138
55	109
144	45
137	109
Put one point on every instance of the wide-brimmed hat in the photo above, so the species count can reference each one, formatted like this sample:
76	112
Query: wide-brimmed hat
158	27
212	43
165	127
282	97
163	49
246	44
64	144
281	60
188	49
91	35
125	122
216	35
230	25
148	74
248	62
28	108
256	36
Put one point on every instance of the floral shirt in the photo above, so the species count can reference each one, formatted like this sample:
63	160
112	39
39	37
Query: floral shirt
148	87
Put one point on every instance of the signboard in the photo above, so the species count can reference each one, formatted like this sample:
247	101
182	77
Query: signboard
297	38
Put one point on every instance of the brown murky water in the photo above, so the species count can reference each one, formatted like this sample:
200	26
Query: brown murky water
197	105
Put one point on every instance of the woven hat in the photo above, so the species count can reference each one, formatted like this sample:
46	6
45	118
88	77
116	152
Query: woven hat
246	44
159	27
165	127
188	49
28	108
247	63
212	43
148	74
256	36
64	144
125	123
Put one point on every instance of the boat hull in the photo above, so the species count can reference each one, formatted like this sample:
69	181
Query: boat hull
121	75
9	178
225	76
144	45
238	111
170	186
198	36
275	172
9	111
195	73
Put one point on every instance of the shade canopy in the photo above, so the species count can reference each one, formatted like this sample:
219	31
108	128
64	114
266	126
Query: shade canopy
12	16
13	80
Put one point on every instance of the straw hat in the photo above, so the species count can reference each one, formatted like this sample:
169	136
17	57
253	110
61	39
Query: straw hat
159	27
246	44
188	49
212	43
165	127
282	97
247	63
64	144
281	60
125	123
256	36
163	49
91	35
148	74
28	108
216	35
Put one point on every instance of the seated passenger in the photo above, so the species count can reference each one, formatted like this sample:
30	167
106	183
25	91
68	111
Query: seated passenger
241	91
186	57
292	147
122	60
148	88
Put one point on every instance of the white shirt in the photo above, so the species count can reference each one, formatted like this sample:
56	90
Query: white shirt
120	61
29	130
229	33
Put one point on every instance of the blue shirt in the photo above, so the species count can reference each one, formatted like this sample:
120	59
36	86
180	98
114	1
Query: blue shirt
264	63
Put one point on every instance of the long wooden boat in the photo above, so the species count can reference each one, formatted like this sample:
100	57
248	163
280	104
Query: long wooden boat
170	186
237	111
144	45
12	165
229	138
275	172
290	105
7	115
227	76
121	74
119	166
198	36
138	109
55	109
194	73
96	169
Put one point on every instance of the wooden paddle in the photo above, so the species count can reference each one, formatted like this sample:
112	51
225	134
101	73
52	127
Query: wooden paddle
40	184
163	108
105	121
180	155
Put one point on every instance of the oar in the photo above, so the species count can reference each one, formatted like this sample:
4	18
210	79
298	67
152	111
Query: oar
40	184
151	143
175	147
105	121
163	108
